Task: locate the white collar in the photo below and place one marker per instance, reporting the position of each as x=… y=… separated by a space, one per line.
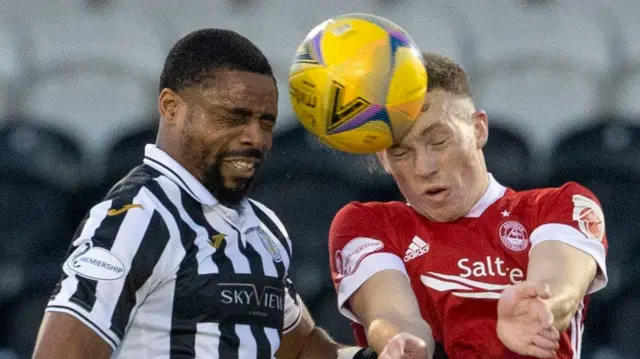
x=493 y=193
x=165 y=164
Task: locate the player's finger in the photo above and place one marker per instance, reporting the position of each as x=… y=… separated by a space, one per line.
x=532 y=289
x=545 y=343
x=550 y=333
x=543 y=290
x=394 y=348
x=544 y=314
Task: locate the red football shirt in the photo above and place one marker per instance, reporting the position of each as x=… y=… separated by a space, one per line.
x=457 y=270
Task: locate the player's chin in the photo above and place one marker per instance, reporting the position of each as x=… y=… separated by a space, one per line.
x=443 y=212
x=239 y=185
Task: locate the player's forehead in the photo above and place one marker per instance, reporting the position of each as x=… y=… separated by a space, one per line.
x=238 y=89
x=437 y=115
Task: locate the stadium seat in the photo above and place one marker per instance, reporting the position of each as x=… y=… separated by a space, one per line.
x=128 y=151
x=90 y=100
x=507 y=155
x=41 y=151
x=77 y=30
x=540 y=29
x=35 y=228
x=13 y=48
x=622 y=20
x=435 y=27
x=622 y=317
x=541 y=99
x=604 y=158
x=627 y=92
x=295 y=146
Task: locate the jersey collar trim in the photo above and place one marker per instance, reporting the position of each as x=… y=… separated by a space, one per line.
x=165 y=164
x=493 y=193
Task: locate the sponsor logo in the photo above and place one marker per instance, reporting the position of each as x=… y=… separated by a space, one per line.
x=353 y=253
x=489 y=267
x=95 y=263
x=417 y=248
x=514 y=236
x=468 y=283
x=247 y=294
x=270 y=245
x=126 y=207
x=589 y=217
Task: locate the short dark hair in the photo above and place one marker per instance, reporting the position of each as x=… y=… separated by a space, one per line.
x=445 y=74
x=194 y=57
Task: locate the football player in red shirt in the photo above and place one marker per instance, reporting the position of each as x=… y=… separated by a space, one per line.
x=482 y=270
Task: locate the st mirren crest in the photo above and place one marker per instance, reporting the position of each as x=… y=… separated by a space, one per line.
x=270 y=245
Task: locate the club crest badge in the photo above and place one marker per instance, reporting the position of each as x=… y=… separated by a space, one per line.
x=514 y=236
x=270 y=245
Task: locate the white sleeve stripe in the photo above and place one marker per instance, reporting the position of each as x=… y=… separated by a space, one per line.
x=295 y=323
x=113 y=342
x=369 y=266
x=573 y=237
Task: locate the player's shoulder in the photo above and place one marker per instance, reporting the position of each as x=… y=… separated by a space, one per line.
x=134 y=191
x=265 y=213
x=373 y=209
x=548 y=195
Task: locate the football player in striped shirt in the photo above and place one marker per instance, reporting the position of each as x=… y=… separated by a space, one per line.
x=176 y=262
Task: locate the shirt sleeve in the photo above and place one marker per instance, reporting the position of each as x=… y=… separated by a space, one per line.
x=111 y=264
x=573 y=215
x=359 y=247
x=292 y=306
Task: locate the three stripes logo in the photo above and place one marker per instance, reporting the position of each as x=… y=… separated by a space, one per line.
x=462 y=287
x=417 y=248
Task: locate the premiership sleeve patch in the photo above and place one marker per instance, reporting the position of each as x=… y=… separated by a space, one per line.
x=589 y=216
x=349 y=258
x=95 y=263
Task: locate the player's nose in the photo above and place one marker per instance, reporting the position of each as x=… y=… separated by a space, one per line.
x=425 y=164
x=252 y=135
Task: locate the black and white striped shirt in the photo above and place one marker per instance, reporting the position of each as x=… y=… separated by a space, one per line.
x=160 y=269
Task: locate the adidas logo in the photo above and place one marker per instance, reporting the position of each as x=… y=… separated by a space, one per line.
x=417 y=248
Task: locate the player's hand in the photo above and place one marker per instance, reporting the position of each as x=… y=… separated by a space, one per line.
x=525 y=322
x=404 y=346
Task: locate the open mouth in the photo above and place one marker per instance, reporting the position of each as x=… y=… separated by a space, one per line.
x=241 y=167
x=437 y=193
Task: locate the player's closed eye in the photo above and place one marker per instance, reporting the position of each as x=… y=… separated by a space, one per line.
x=399 y=153
x=267 y=125
x=440 y=142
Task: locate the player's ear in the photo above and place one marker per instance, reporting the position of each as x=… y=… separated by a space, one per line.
x=382 y=158
x=481 y=128
x=169 y=104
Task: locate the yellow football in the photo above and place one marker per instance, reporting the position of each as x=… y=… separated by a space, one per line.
x=358 y=83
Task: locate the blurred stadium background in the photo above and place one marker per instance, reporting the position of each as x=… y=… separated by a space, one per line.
x=560 y=81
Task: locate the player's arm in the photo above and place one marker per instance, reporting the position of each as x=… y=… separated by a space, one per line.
x=109 y=265
x=307 y=341
x=568 y=252
x=371 y=280
x=386 y=315
x=567 y=271
x=63 y=336
x=302 y=339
